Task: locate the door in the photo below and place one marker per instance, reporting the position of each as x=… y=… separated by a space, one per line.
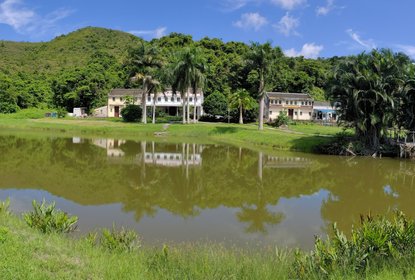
x=291 y=113
x=116 y=111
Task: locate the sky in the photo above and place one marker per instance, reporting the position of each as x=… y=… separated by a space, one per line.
x=311 y=28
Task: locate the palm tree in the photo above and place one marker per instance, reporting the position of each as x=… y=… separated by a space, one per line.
x=241 y=100
x=367 y=91
x=144 y=61
x=260 y=58
x=188 y=73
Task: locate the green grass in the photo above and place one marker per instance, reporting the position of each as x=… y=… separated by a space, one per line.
x=28 y=254
x=241 y=135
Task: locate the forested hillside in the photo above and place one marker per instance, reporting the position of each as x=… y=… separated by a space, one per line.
x=80 y=68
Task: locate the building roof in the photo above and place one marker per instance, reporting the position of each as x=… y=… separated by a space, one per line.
x=121 y=92
x=322 y=104
x=125 y=92
x=290 y=95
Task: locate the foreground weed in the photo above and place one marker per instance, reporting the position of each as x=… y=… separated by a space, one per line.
x=121 y=240
x=375 y=241
x=3 y=234
x=47 y=219
x=4 y=206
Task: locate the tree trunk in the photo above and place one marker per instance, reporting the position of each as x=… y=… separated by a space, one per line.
x=194 y=107
x=188 y=107
x=144 y=106
x=241 y=117
x=183 y=109
x=261 y=113
x=261 y=101
x=154 y=109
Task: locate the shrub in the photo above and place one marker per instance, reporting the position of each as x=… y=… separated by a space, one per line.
x=47 y=219
x=3 y=234
x=4 y=206
x=119 y=240
x=282 y=119
x=61 y=113
x=376 y=241
x=131 y=113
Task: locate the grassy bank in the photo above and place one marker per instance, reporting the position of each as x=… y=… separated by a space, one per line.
x=380 y=249
x=298 y=139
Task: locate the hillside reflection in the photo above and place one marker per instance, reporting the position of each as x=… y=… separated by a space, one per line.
x=187 y=180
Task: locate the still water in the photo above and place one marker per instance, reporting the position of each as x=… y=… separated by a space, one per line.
x=176 y=192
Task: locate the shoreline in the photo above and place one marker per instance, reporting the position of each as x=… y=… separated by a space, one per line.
x=220 y=133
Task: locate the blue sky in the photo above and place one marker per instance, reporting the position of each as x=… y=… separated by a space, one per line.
x=300 y=27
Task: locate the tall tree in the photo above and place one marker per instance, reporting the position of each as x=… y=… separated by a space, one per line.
x=367 y=91
x=188 y=73
x=143 y=62
x=242 y=101
x=260 y=58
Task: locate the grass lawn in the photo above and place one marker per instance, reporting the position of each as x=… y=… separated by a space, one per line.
x=297 y=138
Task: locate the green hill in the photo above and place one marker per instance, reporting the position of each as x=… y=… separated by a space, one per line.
x=66 y=51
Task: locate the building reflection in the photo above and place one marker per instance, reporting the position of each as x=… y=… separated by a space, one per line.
x=150 y=153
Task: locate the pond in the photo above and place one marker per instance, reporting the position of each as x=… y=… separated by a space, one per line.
x=187 y=192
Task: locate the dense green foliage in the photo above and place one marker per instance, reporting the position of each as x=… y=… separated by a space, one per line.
x=373 y=93
x=79 y=69
x=46 y=218
x=376 y=242
x=131 y=113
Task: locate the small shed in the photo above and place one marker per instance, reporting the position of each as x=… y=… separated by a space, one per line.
x=79 y=112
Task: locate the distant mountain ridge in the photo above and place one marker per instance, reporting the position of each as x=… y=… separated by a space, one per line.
x=65 y=51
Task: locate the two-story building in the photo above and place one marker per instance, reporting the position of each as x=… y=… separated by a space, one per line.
x=170 y=103
x=298 y=106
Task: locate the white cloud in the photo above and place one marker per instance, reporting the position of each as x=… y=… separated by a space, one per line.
x=309 y=50
x=324 y=10
x=233 y=5
x=12 y=13
x=407 y=49
x=289 y=4
x=251 y=21
x=25 y=20
x=156 y=33
x=287 y=25
x=367 y=44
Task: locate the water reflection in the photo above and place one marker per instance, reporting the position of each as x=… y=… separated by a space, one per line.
x=187 y=191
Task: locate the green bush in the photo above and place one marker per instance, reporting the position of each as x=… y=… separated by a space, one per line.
x=61 y=112
x=119 y=240
x=376 y=241
x=3 y=234
x=169 y=119
x=282 y=119
x=47 y=219
x=4 y=206
x=32 y=113
x=131 y=113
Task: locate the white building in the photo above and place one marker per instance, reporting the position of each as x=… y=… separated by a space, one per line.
x=298 y=106
x=171 y=103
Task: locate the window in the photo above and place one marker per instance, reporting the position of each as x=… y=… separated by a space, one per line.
x=291 y=103
x=121 y=99
x=172 y=99
x=113 y=99
x=270 y=112
x=286 y=102
x=295 y=102
x=149 y=98
x=111 y=109
x=178 y=99
x=301 y=113
x=296 y=113
x=159 y=99
x=191 y=99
